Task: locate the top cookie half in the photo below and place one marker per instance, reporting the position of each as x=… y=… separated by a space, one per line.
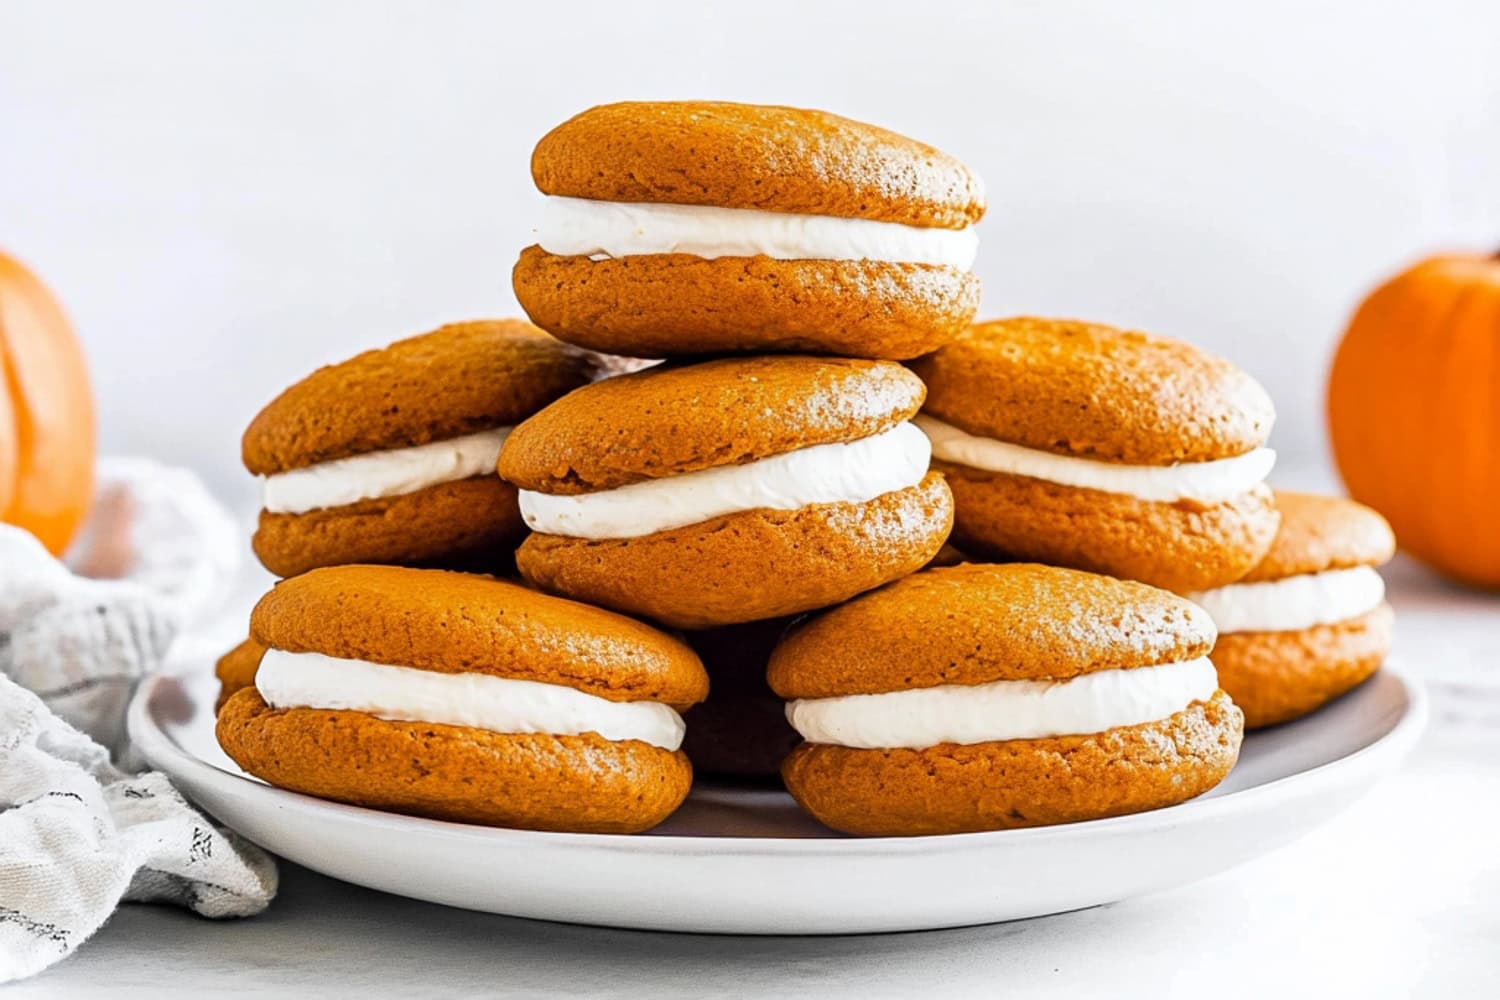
x=768 y=158
x=978 y=623
x=1093 y=391
x=455 y=380
x=1320 y=533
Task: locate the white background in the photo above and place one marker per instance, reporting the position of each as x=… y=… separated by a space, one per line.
x=227 y=195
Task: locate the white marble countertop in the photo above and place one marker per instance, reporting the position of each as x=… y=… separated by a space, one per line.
x=1398 y=896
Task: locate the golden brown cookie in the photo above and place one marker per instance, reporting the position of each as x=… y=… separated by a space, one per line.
x=1095 y=391
x=955 y=788
x=841 y=297
x=696 y=552
x=1310 y=622
x=343 y=485
x=460 y=378
x=752 y=564
x=466 y=698
x=1107 y=450
x=456 y=623
x=527 y=781
x=1280 y=676
x=659 y=305
x=465 y=523
x=976 y=623
x=1177 y=546
x=236 y=669
x=983 y=697
x=740 y=731
x=668 y=420
x=1320 y=533
x=753 y=156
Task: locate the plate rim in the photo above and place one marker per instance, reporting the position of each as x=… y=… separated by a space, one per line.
x=154 y=744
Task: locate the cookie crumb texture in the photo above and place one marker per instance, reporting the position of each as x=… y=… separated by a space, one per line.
x=236 y=669
x=976 y=623
x=581 y=784
x=954 y=788
x=773 y=158
x=1181 y=546
x=459 y=623
x=750 y=565
x=456 y=523
x=659 y=305
x=1280 y=676
x=674 y=419
x=1321 y=533
x=1093 y=391
x=456 y=380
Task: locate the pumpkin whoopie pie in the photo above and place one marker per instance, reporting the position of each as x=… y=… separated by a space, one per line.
x=1081 y=445
x=740 y=731
x=1309 y=622
x=730 y=490
x=466 y=698
x=236 y=670
x=389 y=457
x=688 y=227
x=981 y=697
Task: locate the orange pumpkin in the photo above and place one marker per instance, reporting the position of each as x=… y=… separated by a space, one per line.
x=46 y=413
x=1414 y=412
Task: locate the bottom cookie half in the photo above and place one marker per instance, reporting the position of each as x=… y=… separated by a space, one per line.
x=953 y=788
x=581 y=784
x=655 y=305
x=750 y=565
x=465 y=524
x=1280 y=676
x=1177 y=546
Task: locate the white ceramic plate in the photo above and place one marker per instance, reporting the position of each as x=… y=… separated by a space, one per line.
x=743 y=861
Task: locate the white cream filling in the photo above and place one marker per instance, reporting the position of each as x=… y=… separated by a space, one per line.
x=1294 y=602
x=1004 y=710
x=479 y=701
x=826 y=473
x=380 y=474
x=1206 y=482
x=579 y=227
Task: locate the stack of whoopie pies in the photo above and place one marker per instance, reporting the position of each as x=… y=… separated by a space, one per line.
x=725 y=465
x=727 y=495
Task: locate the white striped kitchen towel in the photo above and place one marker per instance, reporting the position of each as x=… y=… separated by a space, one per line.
x=77 y=832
